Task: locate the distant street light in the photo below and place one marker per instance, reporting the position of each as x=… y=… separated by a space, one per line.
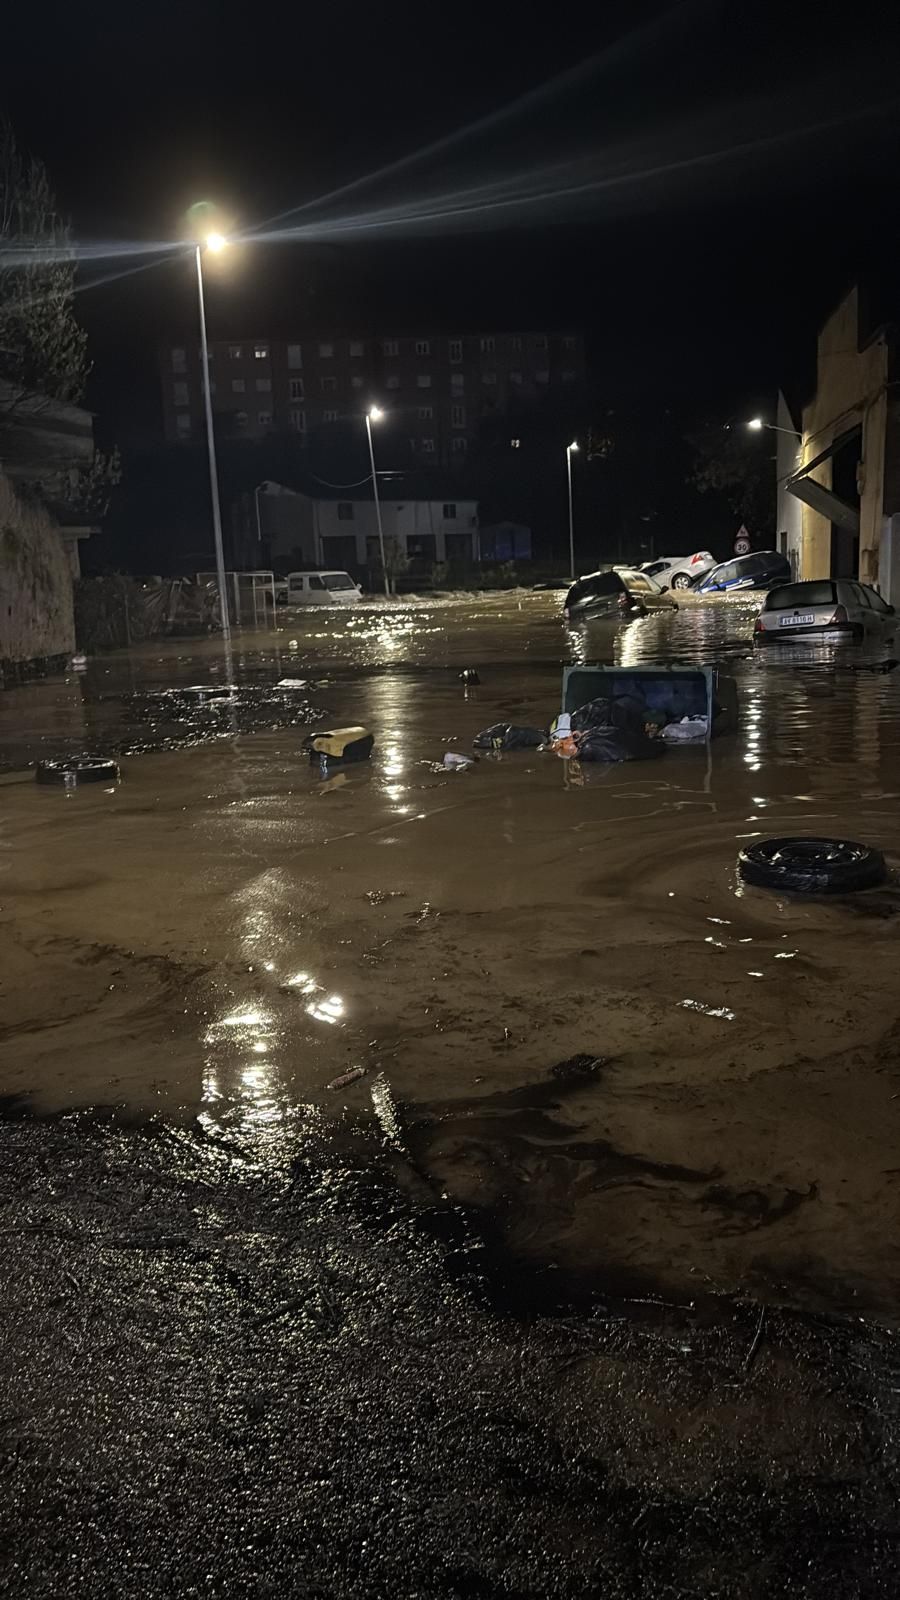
x=214 y=242
x=374 y=414
x=569 y=449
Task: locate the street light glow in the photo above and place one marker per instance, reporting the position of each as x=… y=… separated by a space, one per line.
x=216 y=242
x=574 y=445
x=756 y=423
x=376 y=413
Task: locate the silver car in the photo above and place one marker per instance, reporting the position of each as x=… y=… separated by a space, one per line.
x=832 y=609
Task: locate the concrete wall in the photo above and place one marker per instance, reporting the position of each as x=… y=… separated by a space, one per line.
x=788 y=510
x=850 y=389
x=36 y=606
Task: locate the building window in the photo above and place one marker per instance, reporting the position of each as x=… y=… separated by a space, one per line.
x=264 y=385
x=326 y=351
x=241 y=419
x=458 y=445
x=458 y=416
x=297 y=389
x=357 y=381
x=487 y=346
x=390 y=347
x=457 y=383
x=329 y=416
x=489 y=377
x=345 y=511
x=515 y=342
x=264 y=418
x=449 y=512
x=423 y=347
x=540 y=341
x=237 y=385
x=356 y=349
x=328 y=385
x=568 y=377
x=179 y=359
x=569 y=342
x=515 y=377
x=297 y=421
x=426 y=413
x=515 y=444
x=260 y=352
x=456 y=349
x=234 y=352
x=392 y=381
x=542 y=377
x=428 y=447
x=183 y=424
x=180 y=394
x=423 y=381
x=295 y=355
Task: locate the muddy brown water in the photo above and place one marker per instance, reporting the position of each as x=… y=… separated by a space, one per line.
x=224 y=933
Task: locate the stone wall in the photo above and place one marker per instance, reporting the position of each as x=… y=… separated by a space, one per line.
x=36 y=605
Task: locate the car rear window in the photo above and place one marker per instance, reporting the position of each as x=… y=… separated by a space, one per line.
x=602 y=583
x=794 y=596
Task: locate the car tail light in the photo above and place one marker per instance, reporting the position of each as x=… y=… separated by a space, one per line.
x=759 y=626
x=840 y=615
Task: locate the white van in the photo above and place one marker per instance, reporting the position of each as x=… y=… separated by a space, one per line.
x=317 y=589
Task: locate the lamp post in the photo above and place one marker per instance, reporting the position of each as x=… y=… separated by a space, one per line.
x=214 y=242
x=374 y=414
x=756 y=424
x=569 y=449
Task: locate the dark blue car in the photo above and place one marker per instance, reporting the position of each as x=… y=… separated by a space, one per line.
x=758 y=571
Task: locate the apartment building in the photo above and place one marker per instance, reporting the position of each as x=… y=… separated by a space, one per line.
x=436 y=389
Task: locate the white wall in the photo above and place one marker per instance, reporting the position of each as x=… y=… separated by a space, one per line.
x=403 y=520
x=788 y=509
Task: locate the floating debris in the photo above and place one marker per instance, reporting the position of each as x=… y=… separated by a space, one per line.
x=352 y=1075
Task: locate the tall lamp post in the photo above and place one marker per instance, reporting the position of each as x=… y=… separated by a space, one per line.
x=374 y=414
x=569 y=449
x=214 y=242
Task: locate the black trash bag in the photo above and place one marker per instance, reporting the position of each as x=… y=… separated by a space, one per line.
x=628 y=711
x=600 y=743
x=506 y=736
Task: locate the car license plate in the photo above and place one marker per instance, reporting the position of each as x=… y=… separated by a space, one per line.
x=796 y=621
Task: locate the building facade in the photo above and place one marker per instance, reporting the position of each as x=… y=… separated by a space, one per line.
x=298 y=530
x=846 y=470
x=437 y=389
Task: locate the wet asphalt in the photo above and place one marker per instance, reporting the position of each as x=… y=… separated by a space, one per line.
x=577 y=1290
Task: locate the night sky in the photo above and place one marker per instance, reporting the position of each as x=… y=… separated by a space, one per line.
x=749 y=157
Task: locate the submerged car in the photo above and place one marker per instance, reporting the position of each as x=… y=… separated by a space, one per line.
x=761 y=570
x=824 y=608
x=610 y=594
x=679 y=572
x=325 y=588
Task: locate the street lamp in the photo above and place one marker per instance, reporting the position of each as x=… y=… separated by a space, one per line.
x=214 y=242
x=756 y=424
x=374 y=414
x=569 y=449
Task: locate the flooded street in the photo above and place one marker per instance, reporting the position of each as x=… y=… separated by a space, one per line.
x=604 y=1081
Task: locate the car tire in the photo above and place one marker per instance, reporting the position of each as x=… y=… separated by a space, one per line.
x=812 y=866
x=77 y=769
x=680 y=581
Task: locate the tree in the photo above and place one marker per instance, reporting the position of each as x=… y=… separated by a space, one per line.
x=42 y=348
x=726 y=464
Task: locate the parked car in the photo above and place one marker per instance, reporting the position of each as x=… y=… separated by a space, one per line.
x=611 y=594
x=679 y=572
x=317 y=589
x=824 y=608
x=761 y=570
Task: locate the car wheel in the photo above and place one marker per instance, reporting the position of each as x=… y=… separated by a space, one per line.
x=812 y=866
x=77 y=769
x=681 y=581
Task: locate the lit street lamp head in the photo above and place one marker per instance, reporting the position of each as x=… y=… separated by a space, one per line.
x=573 y=445
x=756 y=423
x=216 y=242
x=375 y=413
